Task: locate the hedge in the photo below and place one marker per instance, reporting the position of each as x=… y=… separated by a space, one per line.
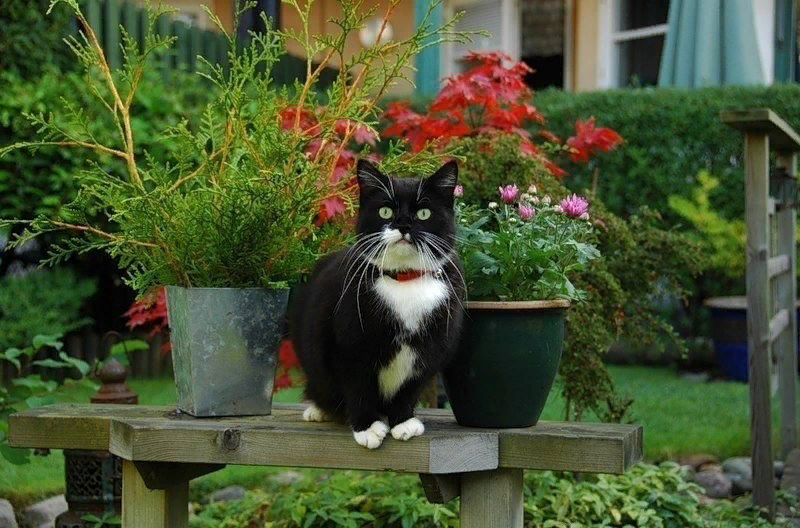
x=670 y=134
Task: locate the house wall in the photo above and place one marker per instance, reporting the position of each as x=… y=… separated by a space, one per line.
x=402 y=21
x=585 y=43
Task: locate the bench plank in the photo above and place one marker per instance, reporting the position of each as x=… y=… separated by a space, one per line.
x=158 y=433
x=782 y=136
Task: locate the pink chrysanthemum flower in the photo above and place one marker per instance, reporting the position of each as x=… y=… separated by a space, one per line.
x=574 y=206
x=509 y=193
x=526 y=211
x=458 y=191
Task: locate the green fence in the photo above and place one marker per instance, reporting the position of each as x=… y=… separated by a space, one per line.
x=107 y=17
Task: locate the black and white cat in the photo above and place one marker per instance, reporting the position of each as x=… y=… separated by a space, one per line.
x=376 y=321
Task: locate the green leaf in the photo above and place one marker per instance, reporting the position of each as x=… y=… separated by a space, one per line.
x=50 y=363
x=82 y=366
x=48 y=341
x=15 y=455
x=129 y=345
x=40 y=401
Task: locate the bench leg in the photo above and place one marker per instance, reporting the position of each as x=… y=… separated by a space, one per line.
x=491 y=498
x=146 y=508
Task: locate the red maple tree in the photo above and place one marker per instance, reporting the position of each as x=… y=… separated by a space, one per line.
x=150 y=311
x=491 y=98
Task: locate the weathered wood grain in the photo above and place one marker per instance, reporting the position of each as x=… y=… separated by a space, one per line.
x=158 y=433
x=787 y=296
x=492 y=498
x=778 y=265
x=764 y=121
x=146 y=508
x=165 y=475
x=759 y=312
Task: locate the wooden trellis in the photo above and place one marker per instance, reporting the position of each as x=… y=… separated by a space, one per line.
x=770 y=200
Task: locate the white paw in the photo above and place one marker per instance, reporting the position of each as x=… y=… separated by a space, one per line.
x=408 y=429
x=314 y=414
x=372 y=438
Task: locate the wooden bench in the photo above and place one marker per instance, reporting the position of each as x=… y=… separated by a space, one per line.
x=163 y=449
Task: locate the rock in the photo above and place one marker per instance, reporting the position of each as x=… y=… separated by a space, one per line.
x=697 y=377
x=698 y=460
x=716 y=468
x=286 y=478
x=740 y=484
x=7 y=519
x=739 y=466
x=231 y=493
x=704 y=500
x=778 y=465
x=716 y=485
x=44 y=513
x=791 y=472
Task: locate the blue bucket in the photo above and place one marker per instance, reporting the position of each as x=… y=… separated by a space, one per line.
x=729 y=332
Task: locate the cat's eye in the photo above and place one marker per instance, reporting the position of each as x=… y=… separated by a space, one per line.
x=385 y=212
x=424 y=214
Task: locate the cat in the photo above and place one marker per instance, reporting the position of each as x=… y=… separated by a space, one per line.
x=378 y=320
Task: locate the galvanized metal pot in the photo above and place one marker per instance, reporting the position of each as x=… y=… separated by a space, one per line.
x=224 y=348
x=506 y=362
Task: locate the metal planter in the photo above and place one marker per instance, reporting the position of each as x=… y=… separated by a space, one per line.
x=224 y=348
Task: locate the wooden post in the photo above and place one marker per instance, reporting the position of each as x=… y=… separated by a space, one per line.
x=492 y=498
x=787 y=294
x=756 y=146
x=146 y=508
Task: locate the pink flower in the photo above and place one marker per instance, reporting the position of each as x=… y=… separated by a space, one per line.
x=509 y=193
x=458 y=191
x=526 y=212
x=574 y=206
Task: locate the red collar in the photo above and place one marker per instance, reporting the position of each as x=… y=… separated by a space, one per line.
x=405 y=275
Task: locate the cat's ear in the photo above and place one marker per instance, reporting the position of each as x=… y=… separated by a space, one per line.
x=444 y=180
x=370 y=178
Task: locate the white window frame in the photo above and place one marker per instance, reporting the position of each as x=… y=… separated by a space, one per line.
x=511 y=40
x=610 y=37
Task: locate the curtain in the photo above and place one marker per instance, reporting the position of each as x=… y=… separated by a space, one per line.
x=710 y=42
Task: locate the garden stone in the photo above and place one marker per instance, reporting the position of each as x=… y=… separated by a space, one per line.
x=741 y=484
x=778 y=468
x=699 y=377
x=7 y=519
x=716 y=468
x=287 y=478
x=739 y=466
x=231 y=493
x=716 y=485
x=44 y=513
x=791 y=472
x=695 y=461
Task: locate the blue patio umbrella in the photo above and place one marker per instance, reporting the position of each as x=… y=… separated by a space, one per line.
x=710 y=42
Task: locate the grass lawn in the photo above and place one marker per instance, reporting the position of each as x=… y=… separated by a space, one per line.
x=679 y=417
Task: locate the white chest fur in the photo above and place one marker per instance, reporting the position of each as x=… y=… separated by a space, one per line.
x=412 y=301
x=395 y=374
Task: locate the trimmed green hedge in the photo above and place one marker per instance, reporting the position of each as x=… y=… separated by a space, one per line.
x=671 y=134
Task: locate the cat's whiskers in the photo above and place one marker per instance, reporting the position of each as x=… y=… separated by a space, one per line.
x=446 y=250
x=360 y=260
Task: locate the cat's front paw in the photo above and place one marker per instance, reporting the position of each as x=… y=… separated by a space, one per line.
x=372 y=438
x=408 y=429
x=314 y=414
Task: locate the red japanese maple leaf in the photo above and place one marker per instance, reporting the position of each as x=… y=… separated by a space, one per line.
x=589 y=139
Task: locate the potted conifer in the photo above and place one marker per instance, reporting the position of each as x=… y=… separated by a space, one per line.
x=248 y=203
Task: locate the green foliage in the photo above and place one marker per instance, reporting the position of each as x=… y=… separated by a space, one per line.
x=511 y=258
x=30 y=391
x=725 y=238
x=32 y=40
x=640 y=259
x=345 y=498
x=648 y=496
x=670 y=136
x=41 y=184
x=45 y=301
x=238 y=204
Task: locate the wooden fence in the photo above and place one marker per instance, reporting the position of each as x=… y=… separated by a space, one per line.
x=107 y=17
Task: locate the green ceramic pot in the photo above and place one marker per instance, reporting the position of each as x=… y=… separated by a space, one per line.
x=506 y=362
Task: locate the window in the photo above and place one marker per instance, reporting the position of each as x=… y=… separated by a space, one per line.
x=634 y=34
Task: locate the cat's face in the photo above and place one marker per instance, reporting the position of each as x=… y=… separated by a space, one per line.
x=406 y=224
